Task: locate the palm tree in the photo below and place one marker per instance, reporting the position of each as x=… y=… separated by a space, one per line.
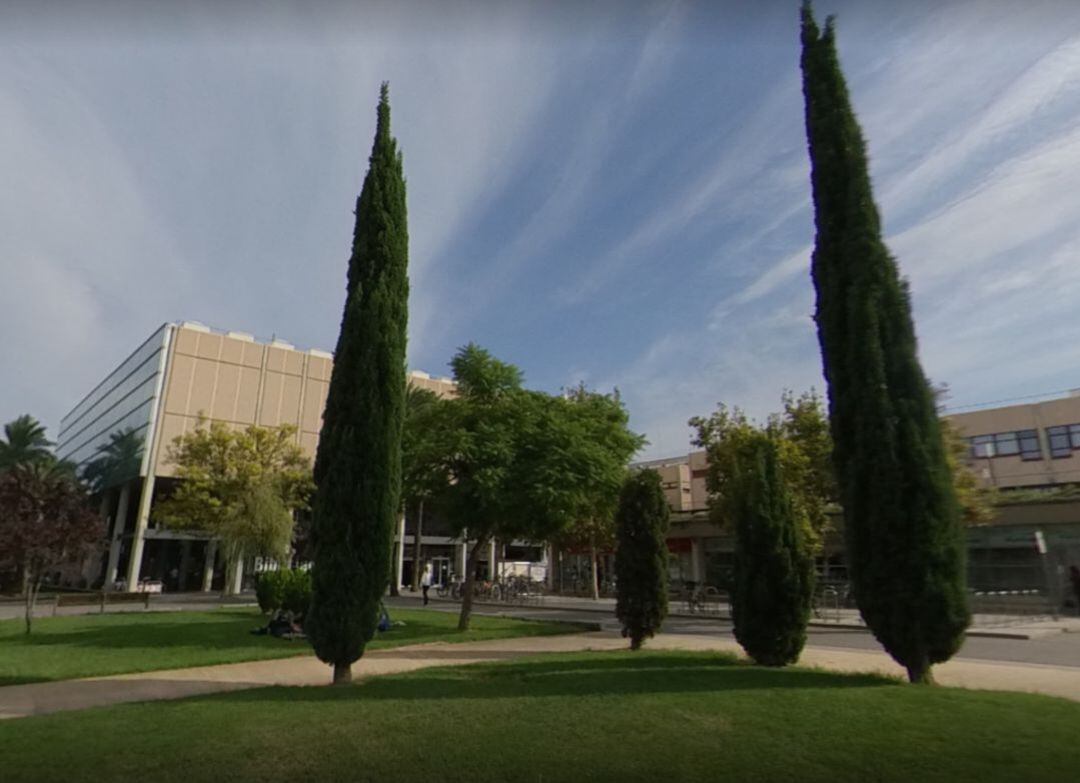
x=24 y=443
x=116 y=461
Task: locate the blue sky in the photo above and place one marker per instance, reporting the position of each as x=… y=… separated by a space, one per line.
x=615 y=193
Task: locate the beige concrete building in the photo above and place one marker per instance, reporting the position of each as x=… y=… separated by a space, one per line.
x=182 y=373
x=1024 y=446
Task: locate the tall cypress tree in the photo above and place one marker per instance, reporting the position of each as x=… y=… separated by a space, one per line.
x=902 y=523
x=774 y=574
x=358 y=464
x=641 y=559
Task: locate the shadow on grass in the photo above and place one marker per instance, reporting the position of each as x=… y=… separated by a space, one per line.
x=601 y=673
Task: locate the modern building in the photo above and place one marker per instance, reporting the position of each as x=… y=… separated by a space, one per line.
x=1030 y=452
x=182 y=373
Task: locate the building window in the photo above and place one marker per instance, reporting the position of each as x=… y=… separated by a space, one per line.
x=1064 y=440
x=1024 y=443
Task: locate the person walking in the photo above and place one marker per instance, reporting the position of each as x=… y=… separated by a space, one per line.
x=425 y=582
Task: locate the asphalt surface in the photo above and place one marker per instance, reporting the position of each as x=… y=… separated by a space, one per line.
x=1061 y=649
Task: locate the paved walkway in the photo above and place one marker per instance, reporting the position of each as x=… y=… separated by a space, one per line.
x=17 y=701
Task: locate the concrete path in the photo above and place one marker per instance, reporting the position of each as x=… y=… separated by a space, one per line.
x=18 y=701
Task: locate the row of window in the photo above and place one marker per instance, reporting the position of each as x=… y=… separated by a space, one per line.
x=1063 y=441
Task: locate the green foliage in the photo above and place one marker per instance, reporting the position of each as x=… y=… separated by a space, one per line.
x=976 y=501
x=296 y=595
x=358 y=465
x=45 y=522
x=602 y=424
x=902 y=521
x=773 y=568
x=24 y=443
x=641 y=558
x=520 y=462
x=804 y=449
x=241 y=487
x=423 y=450
x=270 y=590
x=287 y=589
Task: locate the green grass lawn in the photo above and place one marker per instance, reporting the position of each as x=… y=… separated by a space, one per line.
x=62 y=648
x=591 y=716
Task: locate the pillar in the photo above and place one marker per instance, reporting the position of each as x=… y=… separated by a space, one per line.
x=238 y=577
x=459 y=560
x=116 y=537
x=697 y=572
x=399 y=552
x=491 y=560
x=208 y=565
x=139 y=536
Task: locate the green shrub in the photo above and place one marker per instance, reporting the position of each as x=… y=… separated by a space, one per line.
x=270 y=590
x=296 y=594
x=774 y=573
x=641 y=560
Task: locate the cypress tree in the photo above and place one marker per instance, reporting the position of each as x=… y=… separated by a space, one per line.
x=773 y=570
x=641 y=523
x=358 y=464
x=902 y=523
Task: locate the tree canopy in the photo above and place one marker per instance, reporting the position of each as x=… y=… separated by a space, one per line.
x=240 y=487
x=45 y=522
x=804 y=451
x=520 y=462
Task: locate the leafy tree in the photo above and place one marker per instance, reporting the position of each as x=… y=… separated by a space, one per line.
x=116 y=462
x=515 y=458
x=641 y=558
x=902 y=521
x=774 y=571
x=358 y=464
x=241 y=487
x=976 y=501
x=24 y=443
x=45 y=522
x=423 y=460
x=804 y=449
x=603 y=432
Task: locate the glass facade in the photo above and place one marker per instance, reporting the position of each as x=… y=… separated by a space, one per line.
x=123 y=401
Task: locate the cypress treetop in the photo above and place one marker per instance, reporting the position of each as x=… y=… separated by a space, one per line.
x=902 y=524
x=358 y=463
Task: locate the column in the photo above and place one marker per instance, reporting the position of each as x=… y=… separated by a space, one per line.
x=138 y=538
x=116 y=536
x=459 y=560
x=697 y=573
x=399 y=554
x=208 y=565
x=238 y=577
x=491 y=560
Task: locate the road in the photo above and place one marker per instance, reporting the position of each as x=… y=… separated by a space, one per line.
x=1061 y=649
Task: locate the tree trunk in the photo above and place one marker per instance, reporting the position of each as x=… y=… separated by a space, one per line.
x=342 y=673
x=230 y=575
x=919 y=672
x=395 y=575
x=418 y=535
x=470 y=581
x=33 y=587
x=595 y=575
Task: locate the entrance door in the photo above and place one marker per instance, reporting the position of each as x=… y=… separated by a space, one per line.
x=440 y=570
